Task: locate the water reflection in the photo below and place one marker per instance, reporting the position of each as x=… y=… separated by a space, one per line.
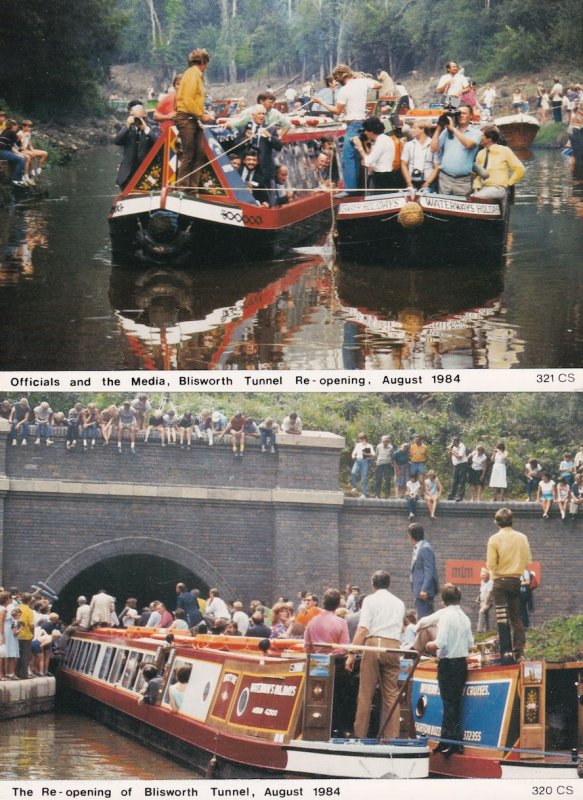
x=69 y=746
x=305 y=311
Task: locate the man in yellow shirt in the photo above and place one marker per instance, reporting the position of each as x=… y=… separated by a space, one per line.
x=503 y=167
x=25 y=634
x=190 y=115
x=418 y=455
x=508 y=555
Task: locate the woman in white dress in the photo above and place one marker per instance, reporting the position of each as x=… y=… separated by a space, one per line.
x=498 y=477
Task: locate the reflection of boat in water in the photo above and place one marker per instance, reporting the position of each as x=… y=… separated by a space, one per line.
x=222 y=221
x=519 y=721
x=425 y=228
x=179 y=318
x=519 y=130
x=248 y=710
x=422 y=317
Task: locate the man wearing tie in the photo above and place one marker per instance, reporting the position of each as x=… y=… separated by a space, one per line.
x=424 y=580
x=253 y=176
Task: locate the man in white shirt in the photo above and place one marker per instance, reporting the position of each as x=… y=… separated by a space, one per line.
x=454 y=638
x=351 y=102
x=556 y=98
x=379 y=626
x=459 y=459
x=452 y=83
x=83 y=615
x=216 y=608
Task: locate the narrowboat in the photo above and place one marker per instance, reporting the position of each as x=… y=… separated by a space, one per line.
x=520 y=720
x=403 y=227
x=252 y=708
x=157 y=220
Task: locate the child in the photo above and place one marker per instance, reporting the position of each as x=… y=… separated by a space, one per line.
x=433 y=490
x=409 y=630
x=546 y=493
x=563 y=496
x=413 y=487
x=35 y=157
x=485 y=601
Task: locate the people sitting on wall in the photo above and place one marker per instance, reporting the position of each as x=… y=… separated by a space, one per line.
x=136 y=137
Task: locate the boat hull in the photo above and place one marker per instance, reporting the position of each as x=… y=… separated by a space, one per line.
x=497 y=725
x=244 y=709
x=454 y=232
x=519 y=130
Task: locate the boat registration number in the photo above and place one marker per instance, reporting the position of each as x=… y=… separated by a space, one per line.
x=381 y=204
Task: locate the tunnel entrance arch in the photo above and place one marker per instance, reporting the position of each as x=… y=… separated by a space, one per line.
x=140 y=567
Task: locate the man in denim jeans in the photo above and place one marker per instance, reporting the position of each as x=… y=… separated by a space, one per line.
x=20 y=418
x=351 y=102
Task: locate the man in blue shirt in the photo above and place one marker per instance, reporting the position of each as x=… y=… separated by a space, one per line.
x=454 y=638
x=456 y=144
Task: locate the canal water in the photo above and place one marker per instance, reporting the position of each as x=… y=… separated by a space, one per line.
x=67 y=746
x=65 y=306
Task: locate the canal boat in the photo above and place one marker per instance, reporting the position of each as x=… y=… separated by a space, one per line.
x=404 y=227
x=519 y=720
x=156 y=219
x=252 y=708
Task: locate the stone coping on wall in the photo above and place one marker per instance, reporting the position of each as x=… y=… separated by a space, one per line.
x=155 y=491
x=483 y=508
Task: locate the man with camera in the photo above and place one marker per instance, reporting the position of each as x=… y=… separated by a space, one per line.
x=456 y=142
x=452 y=83
x=136 y=137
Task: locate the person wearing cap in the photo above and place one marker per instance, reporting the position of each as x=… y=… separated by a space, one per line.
x=136 y=137
x=126 y=421
x=240 y=618
x=190 y=114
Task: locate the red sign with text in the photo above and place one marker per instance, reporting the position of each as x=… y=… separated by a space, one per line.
x=468 y=572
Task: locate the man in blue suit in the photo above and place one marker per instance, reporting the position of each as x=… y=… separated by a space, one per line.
x=424 y=580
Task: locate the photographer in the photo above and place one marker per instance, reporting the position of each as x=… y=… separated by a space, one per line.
x=379 y=158
x=136 y=137
x=456 y=142
x=418 y=163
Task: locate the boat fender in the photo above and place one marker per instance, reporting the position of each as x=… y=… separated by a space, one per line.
x=211 y=768
x=411 y=215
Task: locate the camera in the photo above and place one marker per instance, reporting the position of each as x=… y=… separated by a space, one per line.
x=138 y=122
x=417 y=178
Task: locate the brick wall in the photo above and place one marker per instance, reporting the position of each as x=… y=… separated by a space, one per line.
x=256 y=528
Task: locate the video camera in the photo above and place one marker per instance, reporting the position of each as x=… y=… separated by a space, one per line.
x=450 y=112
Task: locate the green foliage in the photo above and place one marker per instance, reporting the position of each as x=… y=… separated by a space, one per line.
x=54 y=55
x=558 y=640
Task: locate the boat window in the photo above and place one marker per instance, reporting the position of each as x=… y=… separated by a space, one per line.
x=299 y=158
x=80 y=656
x=118 y=665
x=139 y=683
x=93 y=653
x=71 y=652
x=105 y=663
x=83 y=657
x=129 y=674
x=177 y=664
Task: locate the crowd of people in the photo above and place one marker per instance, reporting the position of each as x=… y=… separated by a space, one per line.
x=32 y=634
x=16 y=149
x=86 y=426
x=408 y=466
